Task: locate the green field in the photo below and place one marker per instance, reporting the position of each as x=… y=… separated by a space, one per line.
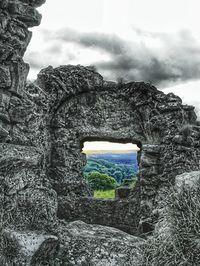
x=104 y=194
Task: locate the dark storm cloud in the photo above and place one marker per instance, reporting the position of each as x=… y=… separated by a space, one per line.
x=176 y=57
x=51 y=54
x=109 y=43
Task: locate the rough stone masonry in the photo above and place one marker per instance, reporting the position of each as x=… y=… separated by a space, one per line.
x=43 y=126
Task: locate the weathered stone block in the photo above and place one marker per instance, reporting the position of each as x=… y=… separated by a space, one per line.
x=28 y=247
x=4 y=3
x=4 y=100
x=84 y=244
x=171 y=106
x=13 y=155
x=3 y=132
x=19 y=36
x=17 y=114
x=19 y=71
x=25 y=13
x=147 y=160
x=152 y=148
x=32 y=208
x=122 y=214
x=173 y=98
x=5 y=77
x=148 y=172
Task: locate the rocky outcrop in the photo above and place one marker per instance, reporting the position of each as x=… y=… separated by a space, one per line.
x=84 y=244
x=25 y=193
x=26 y=200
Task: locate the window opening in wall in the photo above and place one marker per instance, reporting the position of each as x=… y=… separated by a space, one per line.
x=110 y=167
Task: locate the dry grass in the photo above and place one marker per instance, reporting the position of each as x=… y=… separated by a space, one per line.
x=176 y=240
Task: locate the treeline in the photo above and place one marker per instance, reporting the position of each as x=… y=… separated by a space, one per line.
x=99 y=181
x=118 y=171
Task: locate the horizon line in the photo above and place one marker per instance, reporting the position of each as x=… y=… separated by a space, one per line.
x=109 y=151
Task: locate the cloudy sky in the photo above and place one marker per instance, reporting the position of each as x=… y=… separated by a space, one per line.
x=137 y=40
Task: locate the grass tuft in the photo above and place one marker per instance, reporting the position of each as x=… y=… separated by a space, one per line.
x=104 y=194
x=176 y=240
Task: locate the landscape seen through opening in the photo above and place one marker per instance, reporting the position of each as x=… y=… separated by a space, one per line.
x=110 y=165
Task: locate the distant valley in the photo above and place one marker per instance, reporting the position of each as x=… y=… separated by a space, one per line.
x=118 y=164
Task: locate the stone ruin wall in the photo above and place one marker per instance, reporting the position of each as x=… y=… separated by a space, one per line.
x=43 y=126
x=27 y=203
x=89 y=108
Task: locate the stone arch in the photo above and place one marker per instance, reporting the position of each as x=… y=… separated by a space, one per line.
x=99 y=114
x=82 y=105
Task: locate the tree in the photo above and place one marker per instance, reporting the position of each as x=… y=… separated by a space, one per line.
x=129 y=182
x=118 y=176
x=100 y=181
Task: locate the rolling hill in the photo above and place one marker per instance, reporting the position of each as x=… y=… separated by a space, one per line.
x=118 y=165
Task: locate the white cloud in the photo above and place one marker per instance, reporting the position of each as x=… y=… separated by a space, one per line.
x=108 y=146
